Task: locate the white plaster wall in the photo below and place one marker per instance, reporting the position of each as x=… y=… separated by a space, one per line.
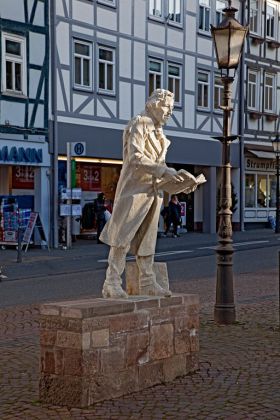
x=139 y=58
x=191 y=6
x=190 y=73
x=200 y=120
x=77 y=100
x=60 y=101
x=156 y=50
x=216 y=127
x=82 y=11
x=101 y=111
x=156 y=32
x=178 y=115
x=88 y=109
x=175 y=38
x=67 y=85
x=62 y=43
x=82 y=30
x=252 y=124
x=205 y=46
x=12 y=9
x=36 y=48
x=271 y=53
x=189 y=111
x=112 y=104
x=39 y=14
x=140 y=18
x=139 y=98
x=125 y=58
x=125 y=13
x=33 y=83
x=39 y=118
x=107 y=37
x=14 y=112
x=174 y=54
x=268 y=125
x=125 y=100
x=198 y=205
x=106 y=19
x=190 y=33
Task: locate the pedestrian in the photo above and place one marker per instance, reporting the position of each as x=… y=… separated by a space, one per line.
x=99 y=211
x=166 y=219
x=174 y=214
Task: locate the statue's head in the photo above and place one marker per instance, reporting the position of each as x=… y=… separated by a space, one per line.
x=160 y=105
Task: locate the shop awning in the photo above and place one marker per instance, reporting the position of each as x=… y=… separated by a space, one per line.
x=262 y=154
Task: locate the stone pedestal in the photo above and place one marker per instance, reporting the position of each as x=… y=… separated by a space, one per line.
x=98 y=349
x=132 y=276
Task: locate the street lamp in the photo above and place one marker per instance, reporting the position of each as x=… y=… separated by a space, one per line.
x=229 y=37
x=276 y=148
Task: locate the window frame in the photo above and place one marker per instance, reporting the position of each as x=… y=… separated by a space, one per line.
x=220 y=87
x=203 y=7
x=203 y=107
x=110 y=3
x=272 y=90
x=153 y=16
x=14 y=59
x=172 y=21
x=113 y=63
x=219 y=12
x=90 y=59
x=257 y=90
x=258 y=15
x=274 y=21
x=161 y=62
x=179 y=66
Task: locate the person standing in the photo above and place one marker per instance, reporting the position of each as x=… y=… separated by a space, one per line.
x=99 y=211
x=174 y=214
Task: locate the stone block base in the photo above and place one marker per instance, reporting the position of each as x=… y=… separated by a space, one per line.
x=132 y=276
x=98 y=349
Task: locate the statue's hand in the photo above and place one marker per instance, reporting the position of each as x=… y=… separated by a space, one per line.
x=171 y=174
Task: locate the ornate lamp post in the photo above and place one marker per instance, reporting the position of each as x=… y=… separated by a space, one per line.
x=276 y=148
x=229 y=37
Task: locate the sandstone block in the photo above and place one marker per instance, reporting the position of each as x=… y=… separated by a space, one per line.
x=129 y=322
x=100 y=338
x=182 y=342
x=151 y=374
x=47 y=338
x=111 y=360
x=73 y=362
x=132 y=276
x=137 y=348
x=161 y=342
x=69 y=340
x=174 y=367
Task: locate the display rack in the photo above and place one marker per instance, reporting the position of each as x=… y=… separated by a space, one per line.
x=12 y=218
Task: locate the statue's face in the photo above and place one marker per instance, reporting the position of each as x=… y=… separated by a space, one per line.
x=163 y=110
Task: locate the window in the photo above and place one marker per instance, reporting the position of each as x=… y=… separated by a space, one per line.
x=174 y=81
x=204 y=15
x=83 y=64
x=174 y=11
x=14 y=64
x=254 y=16
x=262 y=191
x=203 y=89
x=252 y=93
x=250 y=190
x=220 y=5
x=269 y=102
x=155 y=8
x=106 y=70
x=272 y=180
x=270 y=20
x=155 y=75
x=218 y=92
x=108 y=2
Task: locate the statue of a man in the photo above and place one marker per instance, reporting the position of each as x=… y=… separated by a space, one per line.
x=134 y=222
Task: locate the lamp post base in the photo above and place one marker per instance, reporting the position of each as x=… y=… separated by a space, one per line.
x=224 y=314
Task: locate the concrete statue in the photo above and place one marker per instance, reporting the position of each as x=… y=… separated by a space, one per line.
x=134 y=223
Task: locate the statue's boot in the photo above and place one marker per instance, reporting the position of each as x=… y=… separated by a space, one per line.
x=116 y=263
x=147 y=278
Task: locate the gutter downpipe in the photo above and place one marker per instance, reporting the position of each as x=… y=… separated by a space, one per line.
x=54 y=124
x=241 y=122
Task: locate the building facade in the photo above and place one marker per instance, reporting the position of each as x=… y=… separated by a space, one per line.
x=109 y=55
x=24 y=69
x=261 y=103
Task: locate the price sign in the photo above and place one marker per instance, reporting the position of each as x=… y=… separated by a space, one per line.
x=23 y=177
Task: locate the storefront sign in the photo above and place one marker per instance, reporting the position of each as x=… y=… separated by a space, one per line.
x=260 y=164
x=89 y=178
x=23 y=177
x=21 y=154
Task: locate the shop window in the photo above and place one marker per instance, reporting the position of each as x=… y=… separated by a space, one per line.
x=14 y=64
x=270 y=20
x=204 y=15
x=250 y=190
x=218 y=92
x=252 y=95
x=83 y=64
x=155 y=75
x=272 y=190
x=106 y=70
x=262 y=191
x=174 y=11
x=269 y=92
x=203 y=90
x=220 y=5
x=155 y=8
x=174 y=81
x=254 y=16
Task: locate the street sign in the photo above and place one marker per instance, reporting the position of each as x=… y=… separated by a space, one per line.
x=78 y=148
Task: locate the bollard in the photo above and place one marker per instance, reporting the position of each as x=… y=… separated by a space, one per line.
x=279 y=287
x=19 y=250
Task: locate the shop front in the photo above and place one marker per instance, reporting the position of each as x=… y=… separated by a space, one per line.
x=260 y=188
x=24 y=186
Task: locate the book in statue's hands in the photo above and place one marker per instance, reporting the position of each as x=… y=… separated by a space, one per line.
x=188 y=185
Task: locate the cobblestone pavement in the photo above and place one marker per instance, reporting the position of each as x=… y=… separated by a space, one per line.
x=239 y=365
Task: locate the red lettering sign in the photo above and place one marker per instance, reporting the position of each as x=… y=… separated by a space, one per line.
x=88 y=177
x=23 y=177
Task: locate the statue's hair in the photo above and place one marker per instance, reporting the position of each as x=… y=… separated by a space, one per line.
x=158 y=95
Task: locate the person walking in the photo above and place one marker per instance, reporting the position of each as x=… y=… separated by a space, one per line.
x=99 y=211
x=174 y=215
